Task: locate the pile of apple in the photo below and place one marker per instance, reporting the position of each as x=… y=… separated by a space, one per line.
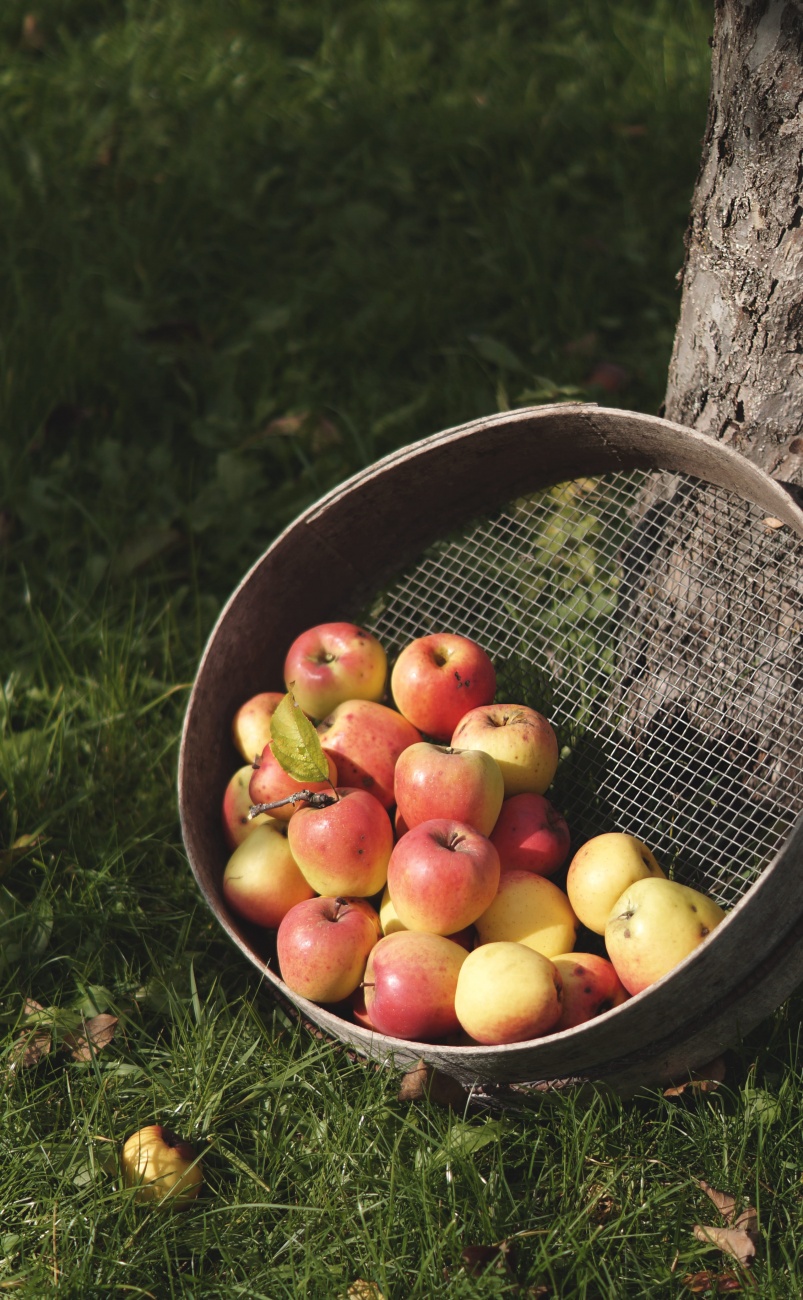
x=403 y=854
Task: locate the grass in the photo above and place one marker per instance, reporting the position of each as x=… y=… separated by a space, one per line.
x=246 y=250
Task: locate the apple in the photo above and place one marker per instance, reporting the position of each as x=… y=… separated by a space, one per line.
x=507 y=993
x=590 y=987
x=409 y=985
x=345 y=847
x=521 y=740
x=236 y=806
x=464 y=785
x=334 y=662
x=269 y=781
x=323 y=944
x=653 y=925
x=389 y=920
x=262 y=879
x=530 y=835
x=365 y=740
x=529 y=909
x=250 y=728
x=161 y=1166
x=601 y=870
x=438 y=678
x=442 y=875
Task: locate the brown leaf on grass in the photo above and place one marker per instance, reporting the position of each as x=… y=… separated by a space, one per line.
x=476 y=1259
x=709 y=1283
x=725 y=1203
x=706 y=1079
x=425 y=1081
x=98 y=1032
x=740 y=1236
x=29 y=1048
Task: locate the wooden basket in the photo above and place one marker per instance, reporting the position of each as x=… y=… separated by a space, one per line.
x=452 y=515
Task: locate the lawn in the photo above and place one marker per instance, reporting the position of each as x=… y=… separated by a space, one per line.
x=247 y=249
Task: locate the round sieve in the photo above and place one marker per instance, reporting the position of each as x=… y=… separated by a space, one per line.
x=638 y=584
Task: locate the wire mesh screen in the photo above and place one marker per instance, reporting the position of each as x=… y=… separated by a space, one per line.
x=658 y=623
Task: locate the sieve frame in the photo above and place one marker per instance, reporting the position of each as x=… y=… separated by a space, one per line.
x=328 y=564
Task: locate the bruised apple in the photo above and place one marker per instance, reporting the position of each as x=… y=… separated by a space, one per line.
x=653 y=926
x=162 y=1166
x=334 y=662
x=409 y=985
x=436 y=781
x=442 y=875
x=343 y=848
x=590 y=987
x=507 y=993
x=439 y=677
x=521 y=740
x=323 y=944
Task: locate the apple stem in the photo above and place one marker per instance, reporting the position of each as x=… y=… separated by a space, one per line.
x=313 y=798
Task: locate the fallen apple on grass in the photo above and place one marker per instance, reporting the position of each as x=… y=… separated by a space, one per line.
x=161 y=1166
x=334 y=662
x=439 y=677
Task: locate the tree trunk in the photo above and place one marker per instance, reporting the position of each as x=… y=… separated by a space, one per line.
x=737 y=366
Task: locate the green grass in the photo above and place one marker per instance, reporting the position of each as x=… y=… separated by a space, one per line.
x=379 y=219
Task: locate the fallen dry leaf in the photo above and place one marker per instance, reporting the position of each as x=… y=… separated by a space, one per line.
x=98 y=1032
x=709 y=1283
x=725 y=1203
x=29 y=1048
x=733 y=1241
x=706 y=1079
x=425 y=1081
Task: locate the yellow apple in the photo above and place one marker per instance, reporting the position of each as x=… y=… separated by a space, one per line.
x=161 y=1166
x=532 y=910
x=521 y=740
x=653 y=926
x=599 y=872
x=507 y=993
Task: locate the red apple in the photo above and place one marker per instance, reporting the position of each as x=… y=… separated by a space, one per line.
x=262 y=879
x=530 y=835
x=269 y=781
x=250 y=728
x=464 y=785
x=323 y=944
x=236 y=807
x=442 y=875
x=520 y=739
x=438 y=678
x=365 y=739
x=590 y=987
x=334 y=662
x=343 y=848
x=409 y=985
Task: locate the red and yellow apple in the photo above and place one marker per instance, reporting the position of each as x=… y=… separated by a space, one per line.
x=590 y=987
x=365 y=740
x=334 y=662
x=507 y=993
x=653 y=925
x=521 y=740
x=532 y=910
x=269 y=782
x=237 y=803
x=409 y=985
x=442 y=875
x=531 y=835
x=323 y=944
x=601 y=870
x=439 y=677
x=464 y=785
x=262 y=879
x=250 y=728
x=345 y=847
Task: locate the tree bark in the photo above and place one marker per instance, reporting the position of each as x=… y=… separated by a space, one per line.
x=737 y=367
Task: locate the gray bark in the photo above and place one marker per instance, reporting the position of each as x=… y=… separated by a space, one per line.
x=737 y=366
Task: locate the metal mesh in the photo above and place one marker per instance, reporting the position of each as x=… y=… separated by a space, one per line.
x=658 y=623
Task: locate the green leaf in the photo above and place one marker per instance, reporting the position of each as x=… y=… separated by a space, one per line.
x=296 y=744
